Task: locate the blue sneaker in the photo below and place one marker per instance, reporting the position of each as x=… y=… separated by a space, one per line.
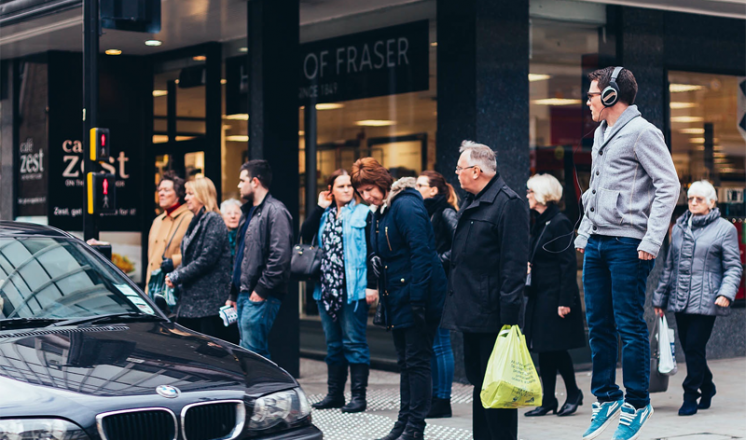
x=631 y=421
x=603 y=414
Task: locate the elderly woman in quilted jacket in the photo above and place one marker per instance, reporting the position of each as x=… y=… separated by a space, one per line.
x=699 y=282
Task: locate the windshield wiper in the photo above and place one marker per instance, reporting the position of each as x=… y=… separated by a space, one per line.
x=128 y=316
x=16 y=323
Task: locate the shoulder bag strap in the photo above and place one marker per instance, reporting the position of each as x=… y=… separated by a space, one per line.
x=172 y=238
x=538 y=240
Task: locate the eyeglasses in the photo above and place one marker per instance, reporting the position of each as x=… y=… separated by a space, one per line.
x=699 y=200
x=592 y=94
x=459 y=169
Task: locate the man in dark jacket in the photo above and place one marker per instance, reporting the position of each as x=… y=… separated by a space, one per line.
x=262 y=264
x=488 y=273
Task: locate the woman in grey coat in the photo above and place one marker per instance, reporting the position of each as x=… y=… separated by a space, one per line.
x=206 y=262
x=699 y=282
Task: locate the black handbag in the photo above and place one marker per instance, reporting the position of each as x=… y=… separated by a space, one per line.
x=305 y=264
x=381 y=318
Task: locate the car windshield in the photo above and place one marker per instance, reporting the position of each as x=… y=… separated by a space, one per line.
x=61 y=278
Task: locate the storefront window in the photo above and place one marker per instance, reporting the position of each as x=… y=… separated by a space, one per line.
x=560 y=130
x=398 y=129
x=706 y=142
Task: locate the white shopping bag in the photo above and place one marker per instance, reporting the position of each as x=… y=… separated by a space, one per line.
x=667 y=349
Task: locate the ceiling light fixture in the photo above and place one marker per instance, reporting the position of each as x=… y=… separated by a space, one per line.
x=687 y=119
x=557 y=101
x=113 y=52
x=157 y=93
x=301 y=133
x=153 y=43
x=678 y=88
x=537 y=77
x=434 y=44
x=680 y=105
x=329 y=106
x=237 y=138
x=701 y=140
x=238 y=117
x=199 y=58
x=692 y=131
x=375 y=123
x=243 y=49
x=223 y=81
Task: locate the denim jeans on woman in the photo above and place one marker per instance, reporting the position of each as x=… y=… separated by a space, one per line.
x=346 y=342
x=442 y=364
x=614 y=280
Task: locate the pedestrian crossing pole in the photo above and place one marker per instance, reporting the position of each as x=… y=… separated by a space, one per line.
x=91 y=33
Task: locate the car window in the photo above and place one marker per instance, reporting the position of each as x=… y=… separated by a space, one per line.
x=45 y=277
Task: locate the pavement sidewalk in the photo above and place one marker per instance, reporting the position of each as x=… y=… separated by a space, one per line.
x=725 y=420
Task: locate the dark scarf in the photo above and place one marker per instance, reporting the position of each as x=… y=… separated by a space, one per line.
x=436 y=204
x=173 y=208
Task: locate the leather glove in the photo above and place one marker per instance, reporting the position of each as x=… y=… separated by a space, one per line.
x=167 y=265
x=377 y=265
x=418 y=313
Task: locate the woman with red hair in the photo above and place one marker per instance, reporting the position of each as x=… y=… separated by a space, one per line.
x=413 y=283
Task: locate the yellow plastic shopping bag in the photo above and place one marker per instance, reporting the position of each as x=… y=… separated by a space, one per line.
x=511 y=380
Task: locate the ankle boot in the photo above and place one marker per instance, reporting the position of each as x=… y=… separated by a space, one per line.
x=335 y=398
x=396 y=431
x=543 y=410
x=412 y=433
x=706 y=400
x=358 y=384
x=439 y=408
x=571 y=404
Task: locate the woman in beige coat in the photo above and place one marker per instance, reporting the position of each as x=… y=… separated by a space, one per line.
x=168 y=229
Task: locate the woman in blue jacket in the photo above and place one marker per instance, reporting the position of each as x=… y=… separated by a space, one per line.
x=413 y=283
x=339 y=225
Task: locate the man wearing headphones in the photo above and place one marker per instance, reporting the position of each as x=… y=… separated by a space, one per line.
x=628 y=207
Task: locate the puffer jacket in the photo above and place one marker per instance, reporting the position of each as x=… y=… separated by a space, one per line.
x=402 y=236
x=702 y=263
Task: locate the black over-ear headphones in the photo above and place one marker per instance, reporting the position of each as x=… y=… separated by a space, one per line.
x=610 y=94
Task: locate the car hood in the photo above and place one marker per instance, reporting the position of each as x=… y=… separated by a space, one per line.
x=56 y=367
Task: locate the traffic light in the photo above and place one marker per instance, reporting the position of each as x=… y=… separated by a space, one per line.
x=102 y=194
x=99 y=145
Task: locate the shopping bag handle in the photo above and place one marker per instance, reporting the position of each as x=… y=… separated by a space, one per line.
x=505 y=330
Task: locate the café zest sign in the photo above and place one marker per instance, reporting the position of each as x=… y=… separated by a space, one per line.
x=381 y=62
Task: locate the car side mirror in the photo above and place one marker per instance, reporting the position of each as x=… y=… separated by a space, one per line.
x=162 y=305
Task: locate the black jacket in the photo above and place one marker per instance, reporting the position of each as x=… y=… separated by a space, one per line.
x=205 y=268
x=268 y=245
x=554 y=271
x=402 y=237
x=488 y=260
x=444 y=219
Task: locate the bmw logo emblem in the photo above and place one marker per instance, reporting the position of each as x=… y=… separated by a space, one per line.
x=168 y=391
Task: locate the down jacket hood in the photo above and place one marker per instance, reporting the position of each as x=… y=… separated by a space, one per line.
x=397 y=188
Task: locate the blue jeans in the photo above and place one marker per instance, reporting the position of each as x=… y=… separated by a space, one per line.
x=346 y=342
x=614 y=280
x=442 y=364
x=255 y=320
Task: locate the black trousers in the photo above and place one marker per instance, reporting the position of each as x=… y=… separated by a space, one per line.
x=414 y=348
x=551 y=362
x=212 y=326
x=694 y=332
x=488 y=424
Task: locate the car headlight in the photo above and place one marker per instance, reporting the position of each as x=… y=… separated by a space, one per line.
x=33 y=429
x=289 y=407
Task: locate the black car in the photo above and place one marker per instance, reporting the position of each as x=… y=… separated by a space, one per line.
x=84 y=354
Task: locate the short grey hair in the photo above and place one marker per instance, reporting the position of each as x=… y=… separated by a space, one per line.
x=703 y=188
x=229 y=202
x=480 y=155
x=546 y=188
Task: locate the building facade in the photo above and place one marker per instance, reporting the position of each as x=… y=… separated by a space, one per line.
x=316 y=85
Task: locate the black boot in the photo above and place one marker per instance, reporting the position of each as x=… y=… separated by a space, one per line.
x=396 y=431
x=358 y=384
x=571 y=404
x=335 y=398
x=412 y=433
x=543 y=410
x=439 y=408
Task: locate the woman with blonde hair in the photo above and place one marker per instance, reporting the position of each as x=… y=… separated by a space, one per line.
x=699 y=282
x=554 y=318
x=205 y=268
x=441 y=202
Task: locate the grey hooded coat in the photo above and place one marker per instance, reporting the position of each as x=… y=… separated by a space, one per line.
x=702 y=263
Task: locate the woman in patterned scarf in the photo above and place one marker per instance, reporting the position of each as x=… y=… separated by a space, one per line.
x=340 y=226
